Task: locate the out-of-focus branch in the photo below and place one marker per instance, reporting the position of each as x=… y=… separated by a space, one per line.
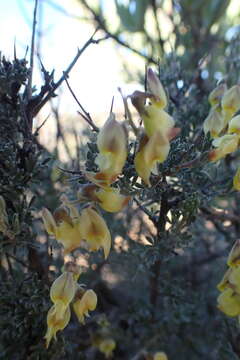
x=101 y=24
x=46 y=96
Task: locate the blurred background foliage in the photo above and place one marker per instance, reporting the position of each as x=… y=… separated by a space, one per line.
x=157 y=290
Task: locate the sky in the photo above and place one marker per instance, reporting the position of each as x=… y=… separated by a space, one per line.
x=96 y=75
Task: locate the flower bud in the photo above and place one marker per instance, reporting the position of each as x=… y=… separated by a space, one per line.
x=160 y=356
x=214 y=122
x=231 y=101
x=151 y=150
x=62 y=292
x=55 y=323
x=229 y=302
x=216 y=94
x=225 y=144
x=236 y=180
x=234 y=255
x=107 y=346
x=86 y=302
x=156 y=88
x=95 y=231
x=234 y=125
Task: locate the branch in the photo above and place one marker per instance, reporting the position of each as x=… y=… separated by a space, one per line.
x=100 y=22
x=29 y=86
x=50 y=93
x=86 y=116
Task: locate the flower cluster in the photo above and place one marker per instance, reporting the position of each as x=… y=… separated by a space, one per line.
x=65 y=291
x=154 y=142
x=221 y=123
x=229 y=299
x=73 y=229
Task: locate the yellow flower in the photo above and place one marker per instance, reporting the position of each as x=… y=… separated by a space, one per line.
x=85 y=301
x=229 y=302
x=214 y=122
x=151 y=151
x=160 y=356
x=156 y=119
x=234 y=255
x=107 y=346
x=64 y=227
x=156 y=88
x=231 y=101
x=225 y=144
x=236 y=180
x=62 y=292
x=234 y=279
x=55 y=323
x=107 y=197
x=112 y=146
x=95 y=231
x=224 y=283
x=234 y=125
x=111 y=200
x=216 y=94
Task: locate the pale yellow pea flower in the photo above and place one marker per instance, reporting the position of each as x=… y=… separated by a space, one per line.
x=160 y=356
x=107 y=346
x=234 y=255
x=224 y=145
x=229 y=302
x=62 y=292
x=231 y=101
x=64 y=226
x=152 y=150
x=156 y=88
x=112 y=146
x=216 y=94
x=214 y=122
x=236 y=180
x=109 y=198
x=54 y=323
x=95 y=231
x=84 y=302
x=234 y=125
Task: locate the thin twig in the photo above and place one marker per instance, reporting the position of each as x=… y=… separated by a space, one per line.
x=128 y=115
x=40 y=126
x=86 y=116
x=29 y=86
x=100 y=22
x=17 y=260
x=66 y=72
x=112 y=103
